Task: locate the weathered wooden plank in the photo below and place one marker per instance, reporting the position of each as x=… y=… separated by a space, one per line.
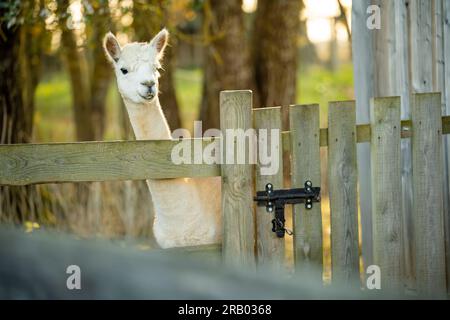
x=438 y=57
x=428 y=197
x=343 y=180
x=399 y=85
x=386 y=189
x=270 y=248
x=446 y=96
x=237 y=194
x=421 y=45
x=363 y=73
x=23 y=164
x=305 y=165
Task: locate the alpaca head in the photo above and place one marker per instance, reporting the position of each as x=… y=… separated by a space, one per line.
x=136 y=66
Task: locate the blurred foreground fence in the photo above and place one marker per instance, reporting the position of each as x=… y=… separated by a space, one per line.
x=132 y=160
x=33 y=266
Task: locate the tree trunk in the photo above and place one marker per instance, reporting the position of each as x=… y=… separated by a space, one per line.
x=34 y=39
x=227 y=58
x=13 y=116
x=101 y=70
x=149 y=18
x=275 y=51
x=17 y=204
x=78 y=76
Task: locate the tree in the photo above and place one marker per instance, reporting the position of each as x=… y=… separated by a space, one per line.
x=35 y=40
x=89 y=81
x=16 y=128
x=78 y=73
x=275 y=51
x=227 y=57
x=149 y=18
x=17 y=204
x=269 y=68
x=101 y=71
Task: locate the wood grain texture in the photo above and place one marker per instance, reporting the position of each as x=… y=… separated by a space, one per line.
x=343 y=180
x=363 y=56
x=305 y=165
x=392 y=79
x=446 y=97
x=270 y=248
x=421 y=38
x=23 y=164
x=438 y=19
x=386 y=191
x=237 y=194
x=428 y=197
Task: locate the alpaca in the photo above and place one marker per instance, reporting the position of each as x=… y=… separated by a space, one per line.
x=187 y=211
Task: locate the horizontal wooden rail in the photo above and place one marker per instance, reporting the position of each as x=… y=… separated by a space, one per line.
x=23 y=164
x=363 y=132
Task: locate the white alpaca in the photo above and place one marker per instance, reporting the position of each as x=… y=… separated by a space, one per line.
x=187 y=211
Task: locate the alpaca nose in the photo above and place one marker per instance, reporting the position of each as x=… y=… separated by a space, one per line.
x=149 y=84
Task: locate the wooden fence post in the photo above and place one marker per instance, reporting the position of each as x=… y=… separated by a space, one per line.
x=237 y=195
x=386 y=191
x=343 y=178
x=270 y=247
x=305 y=165
x=428 y=197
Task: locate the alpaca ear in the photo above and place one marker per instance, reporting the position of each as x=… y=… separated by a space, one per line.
x=112 y=47
x=159 y=42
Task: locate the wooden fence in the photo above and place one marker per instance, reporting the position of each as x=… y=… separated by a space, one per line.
x=243 y=242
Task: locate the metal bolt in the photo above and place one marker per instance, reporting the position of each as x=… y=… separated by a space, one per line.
x=308 y=203
x=269 y=188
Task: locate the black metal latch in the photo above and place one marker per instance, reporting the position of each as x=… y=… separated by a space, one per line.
x=275 y=200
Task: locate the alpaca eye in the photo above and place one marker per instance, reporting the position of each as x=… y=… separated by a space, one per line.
x=124 y=71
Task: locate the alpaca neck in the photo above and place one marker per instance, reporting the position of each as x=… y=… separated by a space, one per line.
x=183 y=216
x=148 y=120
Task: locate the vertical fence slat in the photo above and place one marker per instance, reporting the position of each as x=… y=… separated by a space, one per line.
x=237 y=196
x=386 y=191
x=343 y=175
x=305 y=165
x=446 y=95
x=364 y=63
x=270 y=247
x=428 y=197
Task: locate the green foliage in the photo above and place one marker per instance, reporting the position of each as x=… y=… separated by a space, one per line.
x=319 y=85
x=10 y=13
x=188 y=86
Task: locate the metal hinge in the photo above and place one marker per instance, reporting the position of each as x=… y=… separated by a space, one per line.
x=275 y=201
